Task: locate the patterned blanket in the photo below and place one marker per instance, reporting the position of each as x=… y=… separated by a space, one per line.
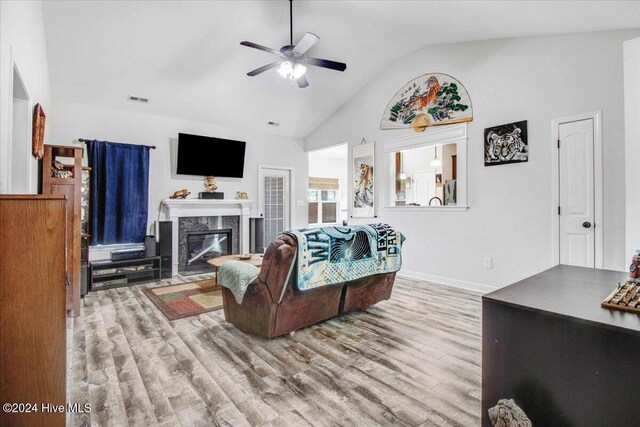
x=329 y=255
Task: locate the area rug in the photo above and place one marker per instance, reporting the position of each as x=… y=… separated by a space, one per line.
x=186 y=299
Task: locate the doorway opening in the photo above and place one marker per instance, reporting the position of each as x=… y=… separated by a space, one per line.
x=274 y=200
x=577 y=180
x=19 y=169
x=328 y=186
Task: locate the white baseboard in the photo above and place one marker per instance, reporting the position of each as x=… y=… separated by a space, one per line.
x=470 y=286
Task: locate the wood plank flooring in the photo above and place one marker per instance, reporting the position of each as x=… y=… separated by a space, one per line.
x=413 y=360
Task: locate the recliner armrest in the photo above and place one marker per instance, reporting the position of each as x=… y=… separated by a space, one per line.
x=277 y=264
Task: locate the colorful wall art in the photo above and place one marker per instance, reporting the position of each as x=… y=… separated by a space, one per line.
x=363 y=186
x=428 y=100
x=506 y=144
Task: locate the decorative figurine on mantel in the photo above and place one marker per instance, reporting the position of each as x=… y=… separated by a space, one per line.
x=241 y=195
x=180 y=194
x=210 y=186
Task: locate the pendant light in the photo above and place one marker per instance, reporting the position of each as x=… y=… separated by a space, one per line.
x=403 y=176
x=436 y=161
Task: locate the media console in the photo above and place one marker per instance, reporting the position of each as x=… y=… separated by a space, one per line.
x=114 y=274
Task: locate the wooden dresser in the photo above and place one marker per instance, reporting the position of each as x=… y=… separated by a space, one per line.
x=32 y=306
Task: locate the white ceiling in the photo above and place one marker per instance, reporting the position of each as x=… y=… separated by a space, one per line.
x=186 y=57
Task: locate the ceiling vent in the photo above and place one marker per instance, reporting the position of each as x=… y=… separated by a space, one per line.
x=138 y=99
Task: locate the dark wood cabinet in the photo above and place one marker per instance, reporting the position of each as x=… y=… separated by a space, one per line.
x=32 y=306
x=566 y=361
x=71 y=187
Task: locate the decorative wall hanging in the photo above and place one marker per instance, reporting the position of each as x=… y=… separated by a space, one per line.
x=37 y=139
x=506 y=144
x=428 y=100
x=363 y=180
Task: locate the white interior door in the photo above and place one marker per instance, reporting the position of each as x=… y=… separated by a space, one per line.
x=274 y=190
x=577 y=193
x=424 y=187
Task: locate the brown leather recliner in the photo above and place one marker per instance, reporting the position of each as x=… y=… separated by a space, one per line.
x=261 y=314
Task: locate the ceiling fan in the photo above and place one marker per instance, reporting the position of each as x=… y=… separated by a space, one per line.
x=292 y=62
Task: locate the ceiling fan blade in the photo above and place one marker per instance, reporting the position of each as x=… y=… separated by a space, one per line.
x=302 y=82
x=263 y=69
x=305 y=43
x=260 y=47
x=325 y=63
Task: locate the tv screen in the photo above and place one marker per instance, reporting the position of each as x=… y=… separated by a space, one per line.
x=206 y=156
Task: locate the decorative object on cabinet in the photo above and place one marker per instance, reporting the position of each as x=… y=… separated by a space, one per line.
x=180 y=194
x=506 y=144
x=625 y=297
x=507 y=414
x=428 y=100
x=33 y=307
x=58 y=170
x=71 y=187
x=37 y=139
x=363 y=178
x=210 y=183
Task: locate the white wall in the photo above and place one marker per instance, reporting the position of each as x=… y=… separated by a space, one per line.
x=535 y=79
x=632 y=144
x=73 y=121
x=22 y=42
x=323 y=167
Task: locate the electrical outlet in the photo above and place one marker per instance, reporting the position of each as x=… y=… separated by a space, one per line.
x=487 y=263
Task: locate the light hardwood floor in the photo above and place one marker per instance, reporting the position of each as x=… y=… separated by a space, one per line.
x=411 y=360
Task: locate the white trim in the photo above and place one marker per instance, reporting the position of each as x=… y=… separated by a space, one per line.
x=598 y=173
x=479 y=288
x=431 y=136
x=445 y=208
x=173 y=209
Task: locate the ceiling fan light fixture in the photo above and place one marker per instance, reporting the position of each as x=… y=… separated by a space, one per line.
x=285 y=69
x=298 y=71
x=291 y=71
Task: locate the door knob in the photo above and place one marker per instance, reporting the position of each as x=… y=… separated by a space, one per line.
x=586 y=224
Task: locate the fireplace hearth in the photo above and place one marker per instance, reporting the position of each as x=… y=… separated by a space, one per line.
x=205 y=245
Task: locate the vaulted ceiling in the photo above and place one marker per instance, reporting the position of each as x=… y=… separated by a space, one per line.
x=186 y=57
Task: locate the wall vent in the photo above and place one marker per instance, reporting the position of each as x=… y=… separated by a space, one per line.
x=138 y=99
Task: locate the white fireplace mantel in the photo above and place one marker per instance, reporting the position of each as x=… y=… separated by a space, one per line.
x=173 y=209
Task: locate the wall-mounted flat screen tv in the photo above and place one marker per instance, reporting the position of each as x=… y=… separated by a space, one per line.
x=206 y=156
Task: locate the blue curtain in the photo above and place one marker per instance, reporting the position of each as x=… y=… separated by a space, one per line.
x=119 y=192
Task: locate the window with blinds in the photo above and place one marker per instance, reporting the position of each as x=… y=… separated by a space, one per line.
x=324 y=198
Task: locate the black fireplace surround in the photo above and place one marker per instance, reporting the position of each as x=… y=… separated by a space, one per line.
x=205 y=245
x=203 y=238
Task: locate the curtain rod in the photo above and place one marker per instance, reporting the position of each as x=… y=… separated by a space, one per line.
x=153 y=147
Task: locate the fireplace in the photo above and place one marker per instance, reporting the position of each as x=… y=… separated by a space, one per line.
x=204 y=245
